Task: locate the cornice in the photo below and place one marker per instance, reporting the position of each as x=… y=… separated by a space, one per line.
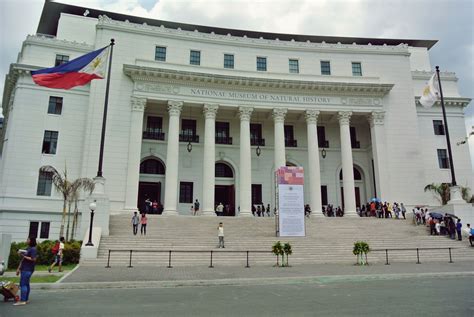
x=149 y=74
x=53 y=42
x=449 y=102
x=426 y=75
x=105 y=22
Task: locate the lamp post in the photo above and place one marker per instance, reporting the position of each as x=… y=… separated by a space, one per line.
x=92 y=207
x=323 y=153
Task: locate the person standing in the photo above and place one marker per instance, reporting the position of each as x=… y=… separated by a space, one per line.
x=220 y=234
x=220 y=209
x=196 y=206
x=26 y=268
x=471 y=234
x=143 y=222
x=154 y=206
x=58 y=257
x=135 y=222
x=459 y=229
x=268 y=210
x=147 y=205
x=403 y=210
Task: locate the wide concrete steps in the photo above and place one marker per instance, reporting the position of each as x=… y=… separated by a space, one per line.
x=327 y=240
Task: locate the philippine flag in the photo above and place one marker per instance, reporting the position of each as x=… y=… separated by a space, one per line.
x=77 y=72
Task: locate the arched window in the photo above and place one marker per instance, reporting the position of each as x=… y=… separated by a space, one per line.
x=290 y=164
x=152 y=166
x=357 y=175
x=223 y=170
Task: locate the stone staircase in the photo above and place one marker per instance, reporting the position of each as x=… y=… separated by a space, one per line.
x=328 y=240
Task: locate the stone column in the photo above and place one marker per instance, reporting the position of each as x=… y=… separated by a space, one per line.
x=377 y=133
x=314 y=171
x=279 y=123
x=134 y=153
x=208 y=170
x=172 y=158
x=245 y=178
x=347 y=164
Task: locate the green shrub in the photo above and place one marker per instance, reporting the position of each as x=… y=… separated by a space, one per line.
x=72 y=253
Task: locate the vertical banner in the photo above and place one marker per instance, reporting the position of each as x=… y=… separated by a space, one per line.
x=290 y=180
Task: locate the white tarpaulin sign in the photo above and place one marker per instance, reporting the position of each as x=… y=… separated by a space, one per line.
x=291 y=201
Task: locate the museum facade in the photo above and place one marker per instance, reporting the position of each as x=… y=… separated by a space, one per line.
x=197 y=112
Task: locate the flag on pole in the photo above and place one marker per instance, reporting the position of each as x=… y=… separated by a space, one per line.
x=77 y=72
x=430 y=93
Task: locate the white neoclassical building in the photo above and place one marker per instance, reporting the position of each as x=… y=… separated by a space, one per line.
x=198 y=112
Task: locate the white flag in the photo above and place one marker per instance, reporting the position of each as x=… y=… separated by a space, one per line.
x=430 y=93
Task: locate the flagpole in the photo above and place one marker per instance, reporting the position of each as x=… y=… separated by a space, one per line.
x=446 y=130
x=104 y=118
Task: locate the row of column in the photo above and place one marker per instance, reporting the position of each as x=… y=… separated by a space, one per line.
x=376 y=120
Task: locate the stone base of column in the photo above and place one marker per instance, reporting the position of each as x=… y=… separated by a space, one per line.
x=351 y=214
x=170 y=213
x=209 y=213
x=245 y=214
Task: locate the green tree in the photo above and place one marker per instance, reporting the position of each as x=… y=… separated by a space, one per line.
x=442 y=192
x=277 y=249
x=69 y=192
x=361 y=248
x=288 y=251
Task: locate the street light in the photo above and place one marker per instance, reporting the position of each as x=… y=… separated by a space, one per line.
x=92 y=207
x=323 y=153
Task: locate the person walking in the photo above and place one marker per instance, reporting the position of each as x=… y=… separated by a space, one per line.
x=26 y=268
x=268 y=210
x=58 y=251
x=471 y=234
x=459 y=229
x=143 y=222
x=220 y=234
x=196 y=206
x=220 y=210
x=403 y=210
x=135 y=222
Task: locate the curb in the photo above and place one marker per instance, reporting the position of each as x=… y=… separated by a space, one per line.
x=241 y=281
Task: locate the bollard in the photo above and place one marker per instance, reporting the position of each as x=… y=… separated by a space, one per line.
x=386 y=257
x=417 y=256
x=108 y=261
x=211 y=266
x=450 y=258
x=169 y=260
x=130 y=263
x=247 y=266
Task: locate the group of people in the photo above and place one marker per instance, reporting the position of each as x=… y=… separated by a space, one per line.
x=139 y=220
x=153 y=206
x=382 y=210
x=260 y=210
x=330 y=211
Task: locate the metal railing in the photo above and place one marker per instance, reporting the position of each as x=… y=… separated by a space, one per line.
x=170 y=253
x=223 y=139
x=183 y=137
x=323 y=144
x=154 y=135
x=413 y=249
x=291 y=143
x=257 y=141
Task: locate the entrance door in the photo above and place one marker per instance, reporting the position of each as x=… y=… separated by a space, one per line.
x=151 y=191
x=225 y=194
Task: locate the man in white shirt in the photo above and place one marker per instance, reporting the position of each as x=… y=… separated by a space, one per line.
x=220 y=209
x=220 y=234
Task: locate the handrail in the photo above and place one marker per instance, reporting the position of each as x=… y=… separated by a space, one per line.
x=414 y=249
x=170 y=252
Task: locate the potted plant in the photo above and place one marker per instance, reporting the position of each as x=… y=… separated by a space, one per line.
x=361 y=248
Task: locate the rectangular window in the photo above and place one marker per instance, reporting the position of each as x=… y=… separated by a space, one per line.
x=45 y=181
x=154 y=124
x=222 y=133
x=33 y=232
x=60 y=59
x=356 y=69
x=50 y=142
x=325 y=68
x=294 y=66
x=438 y=127
x=256 y=134
x=188 y=127
x=289 y=136
x=256 y=194
x=354 y=143
x=160 y=53
x=324 y=195
x=55 y=105
x=229 y=61
x=322 y=142
x=262 y=64
x=195 y=58
x=44 y=232
x=186 y=192
x=443 y=160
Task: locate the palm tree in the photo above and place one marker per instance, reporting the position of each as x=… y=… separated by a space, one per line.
x=77 y=185
x=67 y=189
x=443 y=194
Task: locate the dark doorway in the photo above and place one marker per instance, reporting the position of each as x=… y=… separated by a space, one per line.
x=225 y=194
x=151 y=191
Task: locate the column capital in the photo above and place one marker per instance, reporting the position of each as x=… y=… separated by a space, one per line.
x=279 y=114
x=344 y=117
x=245 y=113
x=376 y=118
x=210 y=110
x=138 y=104
x=312 y=116
x=174 y=107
